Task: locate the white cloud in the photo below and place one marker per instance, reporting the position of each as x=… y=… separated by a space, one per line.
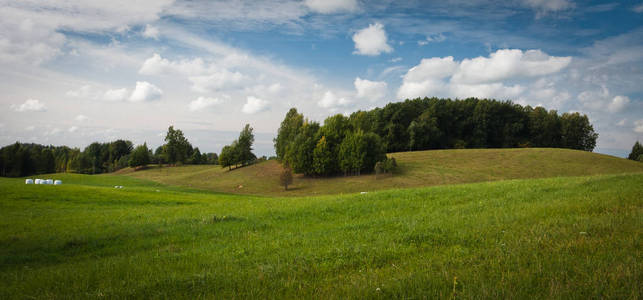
x=30 y=105
x=436 y=38
x=254 y=105
x=621 y=123
x=330 y=100
x=30 y=128
x=331 y=6
x=222 y=79
x=145 y=91
x=30 y=29
x=157 y=65
x=618 y=103
x=509 y=63
x=481 y=77
x=371 y=90
x=396 y=59
x=116 y=94
x=371 y=40
x=81 y=118
x=426 y=79
x=638 y=126
x=203 y=103
x=85 y=91
x=73 y=129
x=151 y=32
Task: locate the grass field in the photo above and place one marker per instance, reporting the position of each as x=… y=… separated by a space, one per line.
x=416 y=169
x=573 y=237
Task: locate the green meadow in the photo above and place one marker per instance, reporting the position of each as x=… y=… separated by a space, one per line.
x=560 y=237
x=415 y=169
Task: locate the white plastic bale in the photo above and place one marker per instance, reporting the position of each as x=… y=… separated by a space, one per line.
x=58 y=182
x=37 y=181
x=28 y=181
x=50 y=181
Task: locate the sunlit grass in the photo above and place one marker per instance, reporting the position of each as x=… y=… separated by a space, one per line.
x=416 y=169
x=576 y=237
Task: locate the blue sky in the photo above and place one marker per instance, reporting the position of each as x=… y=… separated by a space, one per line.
x=74 y=72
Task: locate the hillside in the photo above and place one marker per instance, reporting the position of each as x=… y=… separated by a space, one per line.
x=416 y=169
x=555 y=238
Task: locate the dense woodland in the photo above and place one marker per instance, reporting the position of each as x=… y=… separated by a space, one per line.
x=354 y=144
x=26 y=159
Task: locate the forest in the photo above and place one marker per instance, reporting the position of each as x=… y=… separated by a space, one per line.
x=354 y=144
x=21 y=159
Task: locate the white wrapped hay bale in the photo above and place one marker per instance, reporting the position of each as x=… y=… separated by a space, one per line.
x=50 y=181
x=28 y=181
x=58 y=182
x=38 y=181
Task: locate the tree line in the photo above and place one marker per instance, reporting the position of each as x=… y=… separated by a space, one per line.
x=354 y=144
x=22 y=159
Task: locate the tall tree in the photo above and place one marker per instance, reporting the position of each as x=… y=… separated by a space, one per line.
x=577 y=132
x=288 y=130
x=244 y=146
x=177 y=147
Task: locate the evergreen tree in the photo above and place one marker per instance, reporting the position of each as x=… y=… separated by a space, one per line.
x=637 y=151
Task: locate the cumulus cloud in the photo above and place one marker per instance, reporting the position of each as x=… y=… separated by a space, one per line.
x=145 y=91
x=73 y=129
x=509 y=63
x=482 y=77
x=151 y=32
x=254 y=105
x=426 y=78
x=330 y=100
x=202 y=103
x=371 y=40
x=331 y=6
x=157 y=65
x=618 y=103
x=30 y=105
x=371 y=90
x=638 y=126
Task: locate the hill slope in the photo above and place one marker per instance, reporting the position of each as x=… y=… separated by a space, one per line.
x=421 y=168
x=560 y=238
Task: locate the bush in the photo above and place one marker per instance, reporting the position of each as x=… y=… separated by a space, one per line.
x=386 y=166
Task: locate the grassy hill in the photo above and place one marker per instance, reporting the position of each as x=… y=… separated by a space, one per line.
x=416 y=169
x=573 y=237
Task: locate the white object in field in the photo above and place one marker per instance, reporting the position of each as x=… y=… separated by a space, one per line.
x=58 y=182
x=28 y=181
x=363 y=193
x=37 y=181
x=50 y=181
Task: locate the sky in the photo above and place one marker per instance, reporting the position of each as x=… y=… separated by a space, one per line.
x=74 y=71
